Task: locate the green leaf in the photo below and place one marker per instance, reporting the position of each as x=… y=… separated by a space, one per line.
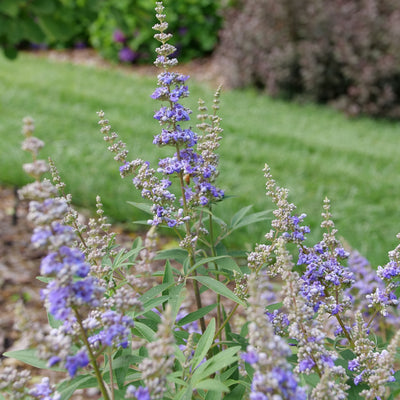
x=29 y=356
x=216 y=363
x=240 y=215
x=178 y=255
x=55 y=29
x=273 y=307
x=146 y=207
x=218 y=287
x=195 y=315
x=154 y=291
x=54 y=323
x=68 y=387
x=143 y=331
x=211 y=384
x=253 y=219
x=45 y=279
x=43 y=6
x=204 y=344
x=227 y=374
x=124 y=258
x=149 y=305
x=168 y=276
x=185 y=393
x=10 y=52
x=236 y=393
x=176 y=297
x=204 y=261
x=229 y=264
x=179 y=354
x=10 y=7
x=30 y=30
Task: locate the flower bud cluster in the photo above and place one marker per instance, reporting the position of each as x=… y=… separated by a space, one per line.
x=306 y=326
x=196 y=170
x=33 y=145
x=267 y=352
x=44 y=390
x=284 y=225
x=73 y=295
x=325 y=278
x=14 y=381
x=373 y=367
x=382 y=298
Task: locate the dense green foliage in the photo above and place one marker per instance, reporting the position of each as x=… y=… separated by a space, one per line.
x=196 y=22
x=51 y=22
x=109 y=26
x=313 y=150
x=345 y=52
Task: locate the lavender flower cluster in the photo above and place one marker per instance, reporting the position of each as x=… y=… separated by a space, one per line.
x=88 y=318
x=322 y=288
x=196 y=171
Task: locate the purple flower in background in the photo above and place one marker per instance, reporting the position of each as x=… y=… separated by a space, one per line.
x=127 y=55
x=80 y=45
x=119 y=36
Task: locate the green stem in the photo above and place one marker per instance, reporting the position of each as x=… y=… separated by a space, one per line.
x=111 y=372
x=190 y=249
x=346 y=333
x=218 y=333
x=92 y=358
x=214 y=253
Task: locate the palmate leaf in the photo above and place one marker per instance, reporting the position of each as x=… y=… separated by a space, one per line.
x=146 y=207
x=205 y=261
x=218 y=287
x=155 y=291
x=179 y=255
x=241 y=218
x=204 y=344
x=69 y=386
x=195 y=315
x=29 y=356
x=213 y=385
x=215 y=363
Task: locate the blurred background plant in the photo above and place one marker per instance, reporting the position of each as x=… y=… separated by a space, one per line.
x=122 y=30
x=45 y=23
x=345 y=52
x=119 y=30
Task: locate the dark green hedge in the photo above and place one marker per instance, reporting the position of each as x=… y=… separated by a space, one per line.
x=119 y=30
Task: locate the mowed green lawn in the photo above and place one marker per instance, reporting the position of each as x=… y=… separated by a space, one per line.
x=312 y=150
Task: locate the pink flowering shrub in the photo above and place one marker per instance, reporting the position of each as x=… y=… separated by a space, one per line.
x=288 y=320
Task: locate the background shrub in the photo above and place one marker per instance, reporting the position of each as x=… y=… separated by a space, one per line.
x=346 y=52
x=119 y=30
x=56 y=23
x=123 y=30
